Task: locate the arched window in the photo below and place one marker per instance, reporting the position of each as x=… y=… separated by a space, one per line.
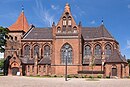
x=69 y=21
x=64 y=21
x=66 y=52
x=36 y=50
x=108 y=51
x=75 y=29
x=27 y=51
x=46 y=51
x=97 y=51
x=58 y=29
x=87 y=51
x=15 y=38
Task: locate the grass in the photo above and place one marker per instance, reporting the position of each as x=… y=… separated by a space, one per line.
x=90 y=79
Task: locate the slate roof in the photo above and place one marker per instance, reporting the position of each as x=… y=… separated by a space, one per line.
x=87 y=33
x=95 y=32
x=39 y=33
x=45 y=61
x=31 y=61
x=116 y=57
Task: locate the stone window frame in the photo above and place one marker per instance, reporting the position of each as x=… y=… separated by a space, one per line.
x=34 y=54
x=28 y=51
x=44 y=51
x=98 y=53
x=70 y=61
x=108 y=53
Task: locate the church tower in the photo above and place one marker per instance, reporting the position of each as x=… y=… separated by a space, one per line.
x=16 y=32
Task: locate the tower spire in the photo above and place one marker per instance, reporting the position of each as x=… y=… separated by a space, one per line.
x=22 y=8
x=102 y=21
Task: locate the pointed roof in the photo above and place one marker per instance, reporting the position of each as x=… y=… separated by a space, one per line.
x=95 y=32
x=67 y=12
x=21 y=24
x=116 y=57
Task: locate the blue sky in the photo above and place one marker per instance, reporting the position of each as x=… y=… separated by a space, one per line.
x=41 y=13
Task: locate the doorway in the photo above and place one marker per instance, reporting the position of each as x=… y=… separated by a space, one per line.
x=15 y=70
x=114 y=71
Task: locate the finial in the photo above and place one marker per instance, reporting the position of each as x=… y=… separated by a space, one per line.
x=67 y=7
x=22 y=8
x=102 y=20
x=53 y=24
x=80 y=23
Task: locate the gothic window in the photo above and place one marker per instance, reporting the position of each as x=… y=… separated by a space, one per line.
x=69 y=21
x=66 y=52
x=32 y=68
x=87 y=51
x=27 y=51
x=36 y=50
x=58 y=29
x=46 y=51
x=107 y=50
x=64 y=21
x=75 y=29
x=39 y=68
x=97 y=51
x=28 y=68
x=15 y=38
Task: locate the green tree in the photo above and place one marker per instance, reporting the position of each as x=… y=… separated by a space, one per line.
x=3 y=36
x=1 y=63
x=92 y=64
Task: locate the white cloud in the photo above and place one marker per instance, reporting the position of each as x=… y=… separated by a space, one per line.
x=92 y=22
x=128 y=44
x=54 y=7
x=43 y=14
x=129 y=6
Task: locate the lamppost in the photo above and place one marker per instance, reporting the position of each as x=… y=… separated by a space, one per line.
x=66 y=55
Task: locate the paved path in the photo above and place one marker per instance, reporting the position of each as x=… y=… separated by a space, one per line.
x=14 y=81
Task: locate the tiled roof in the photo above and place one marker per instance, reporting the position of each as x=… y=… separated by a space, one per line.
x=39 y=33
x=95 y=32
x=31 y=61
x=21 y=24
x=116 y=57
x=45 y=61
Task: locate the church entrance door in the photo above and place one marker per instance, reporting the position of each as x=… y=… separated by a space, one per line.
x=15 y=70
x=114 y=72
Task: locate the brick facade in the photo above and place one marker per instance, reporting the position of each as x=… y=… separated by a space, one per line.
x=47 y=58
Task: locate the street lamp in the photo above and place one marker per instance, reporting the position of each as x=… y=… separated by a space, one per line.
x=66 y=55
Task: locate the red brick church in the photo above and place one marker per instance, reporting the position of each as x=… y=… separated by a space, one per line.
x=43 y=51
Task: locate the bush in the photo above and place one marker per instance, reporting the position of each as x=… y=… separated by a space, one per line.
x=99 y=76
x=107 y=76
x=90 y=77
x=76 y=76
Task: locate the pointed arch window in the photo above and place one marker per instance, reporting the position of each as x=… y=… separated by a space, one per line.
x=75 y=29
x=69 y=21
x=97 y=51
x=64 y=21
x=66 y=52
x=108 y=51
x=46 y=51
x=36 y=50
x=87 y=51
x=27 y=51
x=58 y=30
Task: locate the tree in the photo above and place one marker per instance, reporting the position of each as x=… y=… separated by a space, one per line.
x=92 y=64
x=2 y=63
x=3 y=36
